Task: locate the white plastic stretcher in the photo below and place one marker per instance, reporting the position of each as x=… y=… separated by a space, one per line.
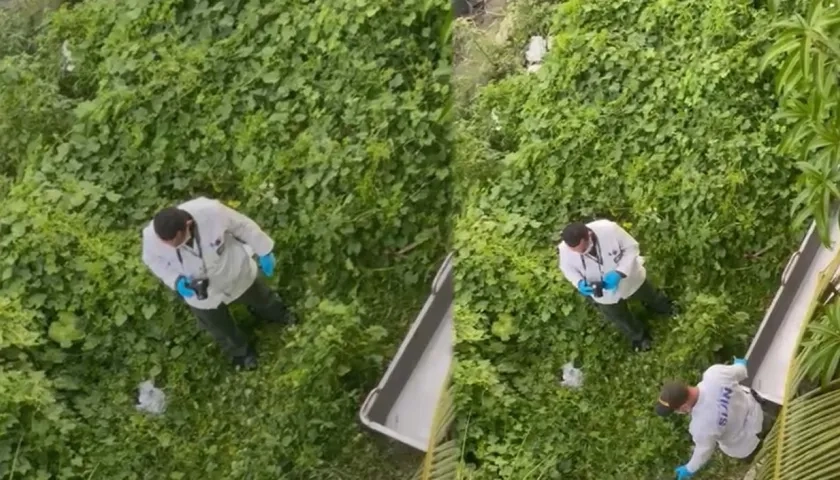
x=402 y=406
x=773 y=346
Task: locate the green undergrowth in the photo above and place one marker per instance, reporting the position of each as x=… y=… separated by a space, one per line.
x=491 y=44
x=653 y=114
x=326 y=122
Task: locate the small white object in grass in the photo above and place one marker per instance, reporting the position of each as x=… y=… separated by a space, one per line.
x=495 y=117
x=67 y=57
x=537 y=48
x=151 y=399
x=572 y=377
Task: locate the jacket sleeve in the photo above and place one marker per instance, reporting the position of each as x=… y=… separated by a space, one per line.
x=728 y=373
x=159 y=266
x=629 y=249
x=704 y=447
x=246 y=230
x=572 y=274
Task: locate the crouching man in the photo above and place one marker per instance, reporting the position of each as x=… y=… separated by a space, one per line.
x=202 y=249
x=723 y=413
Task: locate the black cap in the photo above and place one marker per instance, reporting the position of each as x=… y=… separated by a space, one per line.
x=673 y=395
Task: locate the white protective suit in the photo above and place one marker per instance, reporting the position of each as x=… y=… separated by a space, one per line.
x=228 y=241
x=618 y=250
x=725 y=414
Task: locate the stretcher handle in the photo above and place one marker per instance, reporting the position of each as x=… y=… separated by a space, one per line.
x=788 y=267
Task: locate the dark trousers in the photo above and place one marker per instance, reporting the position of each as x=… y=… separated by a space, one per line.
x=619 y=314
x=218 y=322
x=770 y=411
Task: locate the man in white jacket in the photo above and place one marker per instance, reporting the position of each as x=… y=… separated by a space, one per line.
x=602 y=261
x=723 y=413
x=204 y=250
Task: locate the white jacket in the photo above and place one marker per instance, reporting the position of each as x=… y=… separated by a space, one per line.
x=725 y=414
x=619 y=251
x=228 y=241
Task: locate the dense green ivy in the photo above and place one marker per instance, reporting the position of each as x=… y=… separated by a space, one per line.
x=653 y=114
x=326 y=122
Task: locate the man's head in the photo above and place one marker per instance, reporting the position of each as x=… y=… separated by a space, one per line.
x=172 y=225
x=577 y=236
x=675 y=396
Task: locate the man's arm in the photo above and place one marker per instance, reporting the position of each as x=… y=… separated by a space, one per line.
x=159 y=266
x=572 y=274
x=246 y=230
x=704 y=447
x=629 y=249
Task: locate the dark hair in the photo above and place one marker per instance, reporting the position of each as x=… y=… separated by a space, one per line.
x=574 y=233
x=169 y=222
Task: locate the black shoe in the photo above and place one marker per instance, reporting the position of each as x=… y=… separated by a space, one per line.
x=672 y=311
x=642 y=345
x=287 y=318
x=675 y=309
x=247 y=361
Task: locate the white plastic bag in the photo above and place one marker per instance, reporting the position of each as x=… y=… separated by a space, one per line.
x=151 y=399
x=537 y=49
x=572 y=377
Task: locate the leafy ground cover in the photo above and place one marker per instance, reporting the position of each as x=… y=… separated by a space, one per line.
x=326 y=122
x=654 y=114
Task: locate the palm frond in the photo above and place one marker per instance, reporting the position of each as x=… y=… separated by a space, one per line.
x=803 y=444
x=441 y=460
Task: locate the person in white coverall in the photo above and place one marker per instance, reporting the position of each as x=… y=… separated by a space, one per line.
x=723 y=413
x=204 y=250
x=602 y=261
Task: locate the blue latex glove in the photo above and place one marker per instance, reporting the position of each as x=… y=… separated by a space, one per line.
x=683 y=473
x=611 y=280
x=740 y=361
x=585 y=289
x=267 y=264
x=183 y=287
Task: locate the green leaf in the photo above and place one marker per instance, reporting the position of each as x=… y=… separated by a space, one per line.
x=783 y=46
x=504 y=327
x=149 y=311
x=271 y=77
x=788 y=75
x=176 y=352
x=65 y=330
